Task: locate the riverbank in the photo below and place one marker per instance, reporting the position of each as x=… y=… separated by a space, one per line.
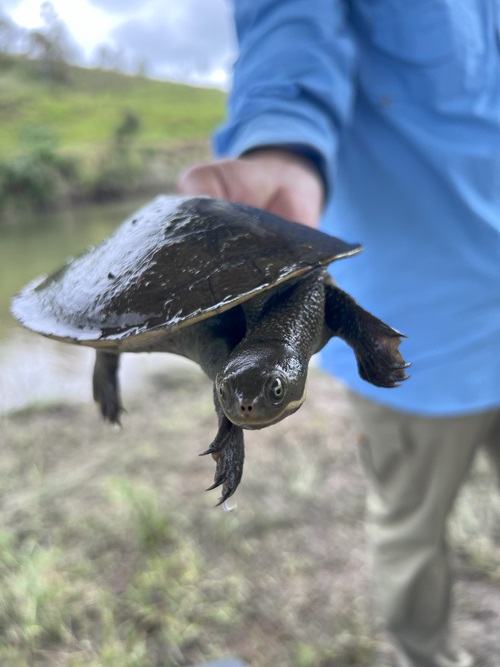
x=113 y=555
x=35 y=184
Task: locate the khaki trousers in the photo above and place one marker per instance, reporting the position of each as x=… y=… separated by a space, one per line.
x=415 y=466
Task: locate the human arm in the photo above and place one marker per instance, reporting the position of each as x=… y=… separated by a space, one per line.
x=291 y=96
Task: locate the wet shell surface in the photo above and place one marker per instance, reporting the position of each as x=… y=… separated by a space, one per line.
x=175 y=262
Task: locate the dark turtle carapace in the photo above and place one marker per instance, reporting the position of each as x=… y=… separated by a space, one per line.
x=239 y=291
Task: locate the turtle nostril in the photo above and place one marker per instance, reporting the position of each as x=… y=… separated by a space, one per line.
x=245 y=407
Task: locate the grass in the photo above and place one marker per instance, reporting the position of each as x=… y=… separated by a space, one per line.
x=84 y=114
x=111 y=554
x=101 y=136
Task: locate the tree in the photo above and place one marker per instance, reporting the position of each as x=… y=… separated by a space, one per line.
x=51 y=45
x=142 y=68
x=127 y=129
x=109 y=58
x=9 y=36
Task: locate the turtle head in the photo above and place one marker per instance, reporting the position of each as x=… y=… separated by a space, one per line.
x=261 y=384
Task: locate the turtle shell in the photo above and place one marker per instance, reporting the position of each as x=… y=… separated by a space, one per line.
x=175 y=262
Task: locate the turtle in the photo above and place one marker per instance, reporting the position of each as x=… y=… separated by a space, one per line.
x=238 y=290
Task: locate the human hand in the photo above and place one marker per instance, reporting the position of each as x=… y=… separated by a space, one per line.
x=273 y=179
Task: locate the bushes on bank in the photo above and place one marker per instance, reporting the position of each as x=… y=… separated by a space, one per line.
x=42 y=177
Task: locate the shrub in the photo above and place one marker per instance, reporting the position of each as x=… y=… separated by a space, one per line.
x=40 y=177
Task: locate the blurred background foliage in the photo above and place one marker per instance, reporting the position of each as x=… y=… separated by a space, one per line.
x=70 y=134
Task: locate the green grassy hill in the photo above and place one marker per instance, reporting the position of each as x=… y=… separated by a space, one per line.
x=84 y=113
x=99 y=135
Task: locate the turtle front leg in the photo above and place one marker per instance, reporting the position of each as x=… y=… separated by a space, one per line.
x=228 y=451
x=375 y=344
x=106 y=387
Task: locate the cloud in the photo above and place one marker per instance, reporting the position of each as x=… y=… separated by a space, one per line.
x=184 y=39
x=9 y=4
x=188 y=40
x=117 y=6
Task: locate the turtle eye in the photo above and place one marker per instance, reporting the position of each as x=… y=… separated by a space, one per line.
x=276 y=390
x=221 y=390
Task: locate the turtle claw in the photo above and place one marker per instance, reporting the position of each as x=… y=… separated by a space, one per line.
x=375 y=344
x=228 y=451
x=377 y=353
x=219 y=479
x=227 y=492
x=223 y=498
x=222 y=438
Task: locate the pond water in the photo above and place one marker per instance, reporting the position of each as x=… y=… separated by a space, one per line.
x=33 y=368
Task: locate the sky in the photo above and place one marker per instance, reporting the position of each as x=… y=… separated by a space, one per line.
x=182 y=40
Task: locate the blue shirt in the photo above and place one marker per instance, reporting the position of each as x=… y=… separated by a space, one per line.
x=399 y=105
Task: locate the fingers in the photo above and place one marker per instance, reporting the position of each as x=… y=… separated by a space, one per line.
x=276 y=180
x=299 y=207
x=297 y=191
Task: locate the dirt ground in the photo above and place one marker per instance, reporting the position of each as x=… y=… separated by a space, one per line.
x=283 y=580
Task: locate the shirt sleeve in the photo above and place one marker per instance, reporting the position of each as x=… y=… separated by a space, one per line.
x=292 y=82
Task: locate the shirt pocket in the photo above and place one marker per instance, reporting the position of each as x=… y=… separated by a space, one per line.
x=413 y=33
x=423 y=52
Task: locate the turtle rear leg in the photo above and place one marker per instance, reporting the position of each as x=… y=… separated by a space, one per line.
x=106 y=387
x=375 y=344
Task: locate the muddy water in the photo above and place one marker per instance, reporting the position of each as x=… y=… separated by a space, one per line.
x=33 y=368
